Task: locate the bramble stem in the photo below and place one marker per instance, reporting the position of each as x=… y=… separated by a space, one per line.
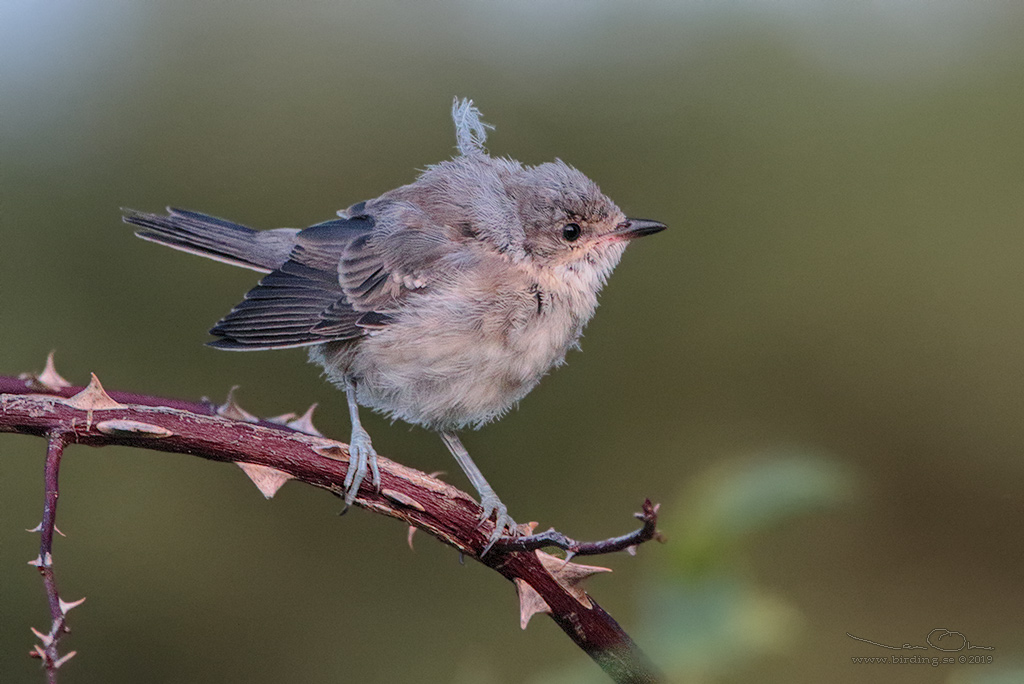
x=271 y=453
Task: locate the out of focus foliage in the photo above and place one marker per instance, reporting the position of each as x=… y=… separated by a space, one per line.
x=702 y=613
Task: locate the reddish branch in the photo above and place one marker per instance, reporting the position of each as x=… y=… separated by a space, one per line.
x=272 y=452
x=46 y=650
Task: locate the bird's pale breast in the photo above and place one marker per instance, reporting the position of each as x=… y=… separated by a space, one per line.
x=465 y=355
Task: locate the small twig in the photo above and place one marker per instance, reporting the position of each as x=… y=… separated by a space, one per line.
x=47 y=649
x=552 y=537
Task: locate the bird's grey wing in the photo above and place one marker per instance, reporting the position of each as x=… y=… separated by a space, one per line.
x=300 y=303
x=380 y=268
x=343 y=278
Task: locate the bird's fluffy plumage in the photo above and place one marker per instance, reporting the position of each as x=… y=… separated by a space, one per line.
x=441 y=303
x=446 y=300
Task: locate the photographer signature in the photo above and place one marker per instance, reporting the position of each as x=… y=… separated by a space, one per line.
x=955 y=642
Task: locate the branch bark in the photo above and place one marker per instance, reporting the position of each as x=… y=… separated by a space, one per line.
x=272 y=452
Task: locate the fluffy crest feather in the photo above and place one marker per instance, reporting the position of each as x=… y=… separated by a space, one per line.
x=470 y=129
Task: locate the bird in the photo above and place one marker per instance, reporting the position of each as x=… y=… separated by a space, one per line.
x=440 y=303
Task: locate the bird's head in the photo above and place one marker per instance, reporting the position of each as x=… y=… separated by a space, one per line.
x=569 y=223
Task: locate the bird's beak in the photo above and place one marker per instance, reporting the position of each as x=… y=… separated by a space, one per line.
x=634 y=228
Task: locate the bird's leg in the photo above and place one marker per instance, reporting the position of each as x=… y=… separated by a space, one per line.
x=360 y=450
x=488 y=498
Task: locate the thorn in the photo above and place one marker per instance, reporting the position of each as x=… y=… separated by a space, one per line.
x=39 y=528
x=66 y=607
x=343 y=511
x=281 y=419
x=304 y=423
x=231 y=410
x=132 y=428
x=268 y=480
x=65 y=658
x=45 y=638
x=37 y=652
x=47 y=381
x=335 y=452
x=42 y=561
x=530 y=602
x=570 y=575
x=411 y=534
x=92 y=398
x=402 y=499
x=462 y=558
x=50 y=378
x=631 y=549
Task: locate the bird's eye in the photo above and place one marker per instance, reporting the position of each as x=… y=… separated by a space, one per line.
x=571 y=232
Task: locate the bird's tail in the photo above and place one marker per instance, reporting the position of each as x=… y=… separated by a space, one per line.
x=215 y=238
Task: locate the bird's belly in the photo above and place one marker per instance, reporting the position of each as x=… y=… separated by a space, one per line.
x=449 y=377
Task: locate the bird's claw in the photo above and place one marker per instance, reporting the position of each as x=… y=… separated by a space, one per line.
x=361 y=457
x=504 y=525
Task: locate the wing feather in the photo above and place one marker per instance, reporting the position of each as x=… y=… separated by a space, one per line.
x=302 y=302
x=342 y=279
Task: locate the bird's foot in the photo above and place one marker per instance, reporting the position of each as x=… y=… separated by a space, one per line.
x=361 y=457
x=504 y=525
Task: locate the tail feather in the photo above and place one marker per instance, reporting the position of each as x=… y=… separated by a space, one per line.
x=215 y=238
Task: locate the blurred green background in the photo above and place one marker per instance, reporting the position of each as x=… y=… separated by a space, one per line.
x=817 y=370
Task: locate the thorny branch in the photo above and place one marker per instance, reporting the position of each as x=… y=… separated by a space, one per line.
x=276 y=450
x=46 y=650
